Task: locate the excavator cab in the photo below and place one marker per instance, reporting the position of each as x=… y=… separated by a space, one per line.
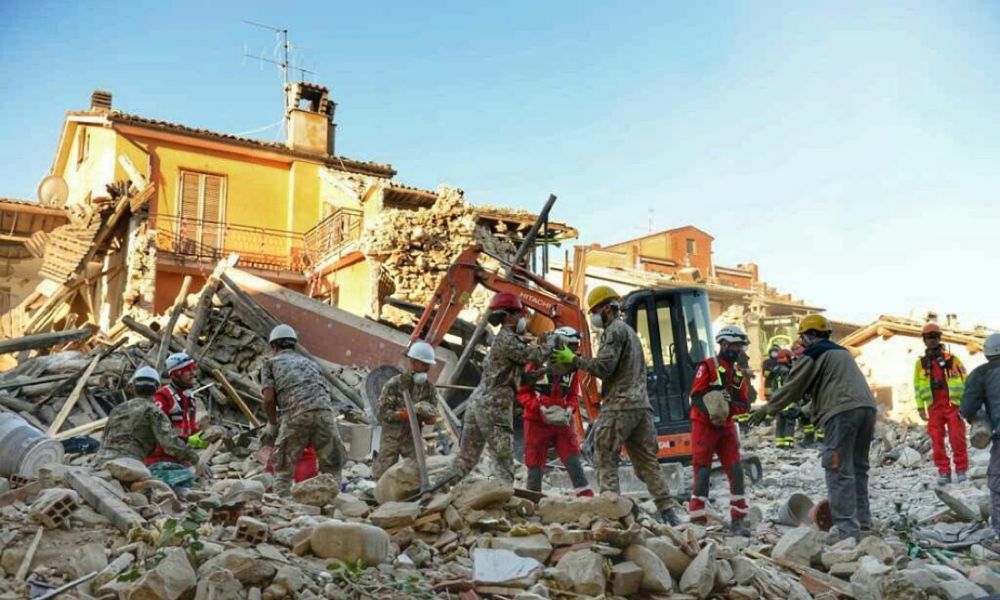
x=674 y=326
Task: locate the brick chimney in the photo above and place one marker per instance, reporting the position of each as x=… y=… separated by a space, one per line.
x=309 y=118
x=100 y=100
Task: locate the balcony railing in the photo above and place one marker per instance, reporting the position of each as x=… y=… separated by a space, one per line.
x=332 y=235
x=258 y=247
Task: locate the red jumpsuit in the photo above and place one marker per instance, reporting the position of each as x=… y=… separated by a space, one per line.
x=179 y=407
x=707 y=440
x=539 y=436
x=943 y=414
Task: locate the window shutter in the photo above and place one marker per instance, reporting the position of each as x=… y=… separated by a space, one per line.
x=188 y=210
x=212 y=212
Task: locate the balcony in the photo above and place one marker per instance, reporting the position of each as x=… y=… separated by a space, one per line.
x=332 y=236
x=261 y=248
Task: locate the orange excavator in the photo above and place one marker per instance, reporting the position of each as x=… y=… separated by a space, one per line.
x=673 y=324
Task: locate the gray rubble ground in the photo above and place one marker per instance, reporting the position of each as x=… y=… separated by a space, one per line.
x=233 y=539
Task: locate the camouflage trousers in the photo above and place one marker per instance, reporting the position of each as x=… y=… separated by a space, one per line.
x=634 y=431
x=314 y=427
x=488 y=422
x=396 y=441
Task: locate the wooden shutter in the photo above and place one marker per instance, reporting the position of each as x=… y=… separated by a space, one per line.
x=211 y=212
x=187 y=213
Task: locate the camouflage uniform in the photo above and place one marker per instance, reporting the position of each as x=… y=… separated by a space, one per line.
x=626 y=418
x=134 y=430
x=305 y=416
x=397 y=439
x=489 y=416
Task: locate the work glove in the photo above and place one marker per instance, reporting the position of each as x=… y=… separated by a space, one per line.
x=759 y=416
x=563 y=356
x=403 y=416
x=195 y=441
x=202 y=470
x=923 y=414
x=269 y=435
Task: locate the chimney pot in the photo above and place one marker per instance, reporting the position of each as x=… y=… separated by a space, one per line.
x=100 y=100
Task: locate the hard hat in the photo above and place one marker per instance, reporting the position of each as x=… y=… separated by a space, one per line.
x=991 y=347
x=732 y=334
x=599 y=295
x=931 y=328
x=814 y=323
x=785 y=356
x=506 y=301
x=421 y=351
x=146 y=374
x=282 y=332
x=568 y=335
x=178 y=361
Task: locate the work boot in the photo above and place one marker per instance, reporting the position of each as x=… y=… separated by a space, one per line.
x=669 y=517
x=739 y=527
x=961 y=478
x=944 y=479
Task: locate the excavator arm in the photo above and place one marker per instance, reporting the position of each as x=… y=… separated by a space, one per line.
x=465 y=274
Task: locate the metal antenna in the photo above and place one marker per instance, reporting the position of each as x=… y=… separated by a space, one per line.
x=285 y=64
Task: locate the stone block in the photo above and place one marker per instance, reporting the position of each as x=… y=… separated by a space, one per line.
x=626 y=578
x=350 y=542
x=54 y=506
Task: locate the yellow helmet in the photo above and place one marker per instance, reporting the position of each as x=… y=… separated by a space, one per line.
x=814 y=322
x=599 y=295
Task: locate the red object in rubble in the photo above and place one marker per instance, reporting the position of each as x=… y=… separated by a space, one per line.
x=305 y=469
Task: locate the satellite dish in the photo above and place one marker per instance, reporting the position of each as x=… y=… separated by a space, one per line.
x=53 y=191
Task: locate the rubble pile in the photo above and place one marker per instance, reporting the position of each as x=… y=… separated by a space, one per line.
x=415 y=248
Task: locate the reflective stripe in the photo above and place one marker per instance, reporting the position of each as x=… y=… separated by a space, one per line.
x=703 y=499
x=697 y=514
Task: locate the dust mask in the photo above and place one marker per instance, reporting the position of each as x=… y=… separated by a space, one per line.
x=420 y=378
x=597 y=321
x=522 y=325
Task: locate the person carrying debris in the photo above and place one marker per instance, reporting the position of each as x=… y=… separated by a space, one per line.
x=549 y=398
x=293 y=384
x=138 y=427
x=489 y=417
x=626 y=418
x=177 y=402
x=982 y=394
x=844 y=407
x=938 y=381
x=784 y=426
x=721 y=390
x=397 y=439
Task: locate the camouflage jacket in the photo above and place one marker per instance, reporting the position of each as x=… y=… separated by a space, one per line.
x=505 y=362
x=620 y=367
x=391 y=401
x=136 y=427
x=297 y=382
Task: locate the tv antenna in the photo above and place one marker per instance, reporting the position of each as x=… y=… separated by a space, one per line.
x=649 y=226
x=286 y=46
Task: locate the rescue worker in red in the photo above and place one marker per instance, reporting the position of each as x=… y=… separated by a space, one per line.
x=550 y=397
x=939 y=381
x=721 y=390
x=176 y=401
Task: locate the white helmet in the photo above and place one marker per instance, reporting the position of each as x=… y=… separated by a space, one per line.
x=991 y=347
x=732 y=334
x=177 y=361
x=282 y=332
x=421 y=351
x=147 y=374
x=568 y=335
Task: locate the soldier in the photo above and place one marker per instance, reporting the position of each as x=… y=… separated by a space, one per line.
x=397 y=439
x=489 y=416
x=626 y=418
x=293 y=384
x=137 y=427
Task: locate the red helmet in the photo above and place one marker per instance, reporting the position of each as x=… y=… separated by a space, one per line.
x=785 y=355
x=506 y=301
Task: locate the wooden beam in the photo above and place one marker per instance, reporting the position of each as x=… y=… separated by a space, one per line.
x=73 y=397
x=205 y=302
x=44 y=340
x=235 y=398
x=29 y=556
x=81 y=430
x=175 y=313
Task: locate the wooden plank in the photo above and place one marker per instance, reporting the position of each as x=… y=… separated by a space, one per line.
x=205 y=302
x=175 y=313
x=44 y=340
x=73 y=397
x=235 y=398
x=29 y=556
x=819 y=581
x=81 y=430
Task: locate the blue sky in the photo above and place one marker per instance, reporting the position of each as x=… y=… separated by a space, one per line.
x=850 y=149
